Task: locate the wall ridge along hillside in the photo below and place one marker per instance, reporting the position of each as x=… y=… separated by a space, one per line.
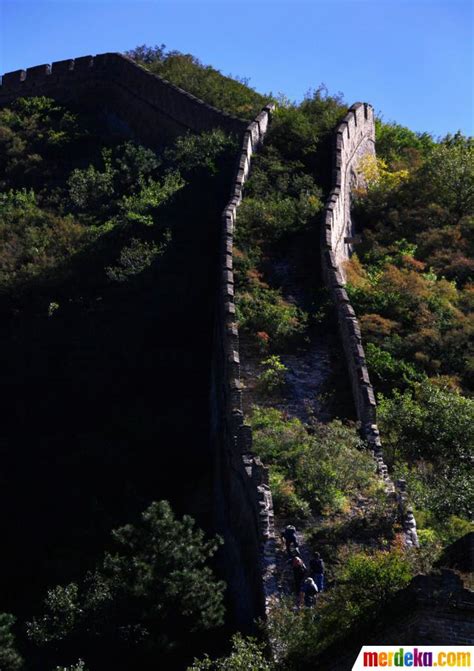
x=355 y=138
x=115 y=83
x=251 y=491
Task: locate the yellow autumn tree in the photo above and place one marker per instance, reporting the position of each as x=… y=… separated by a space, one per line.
x=375 y=176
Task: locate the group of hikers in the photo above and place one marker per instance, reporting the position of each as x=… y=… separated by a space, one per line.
x=308 y=582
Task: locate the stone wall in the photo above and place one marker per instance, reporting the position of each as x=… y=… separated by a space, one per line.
x=151 y=108
x=243 y=499
x=355 y=138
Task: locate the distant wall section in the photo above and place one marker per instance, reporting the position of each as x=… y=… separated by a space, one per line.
x=355 y=138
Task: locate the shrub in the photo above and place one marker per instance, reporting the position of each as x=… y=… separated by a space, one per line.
x=396 y=143
x=134 y=258
x=90 y=189
x=141 y=207
x=387 y=369
x=322 y=467
x=132 y=163
x=334 y=468
x=432 y=428
x=377 y=178
x=33 y=241
x=365 y=582
x=204 y=150
x=35 y=136
x=448 y=175
x=265 y=310
x=279 y=440
x=440 y=492
x=286 y=502
x=75 y=667
x=297 y=131
x=247 y=654
x=429 y=422
x=273 y=377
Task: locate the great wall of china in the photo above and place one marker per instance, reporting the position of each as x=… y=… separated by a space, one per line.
x=152 y=109
x=355 y=138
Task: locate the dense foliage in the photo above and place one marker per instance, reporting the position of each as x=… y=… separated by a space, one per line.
x=132 y=605
x=313 y=469
x=411 y=286
x=65 y=184
x=230 y=94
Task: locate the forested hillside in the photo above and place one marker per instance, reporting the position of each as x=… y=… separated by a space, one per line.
x=106 y=395
x=411 y=284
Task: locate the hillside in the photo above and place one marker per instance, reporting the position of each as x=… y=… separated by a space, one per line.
x=116 y=394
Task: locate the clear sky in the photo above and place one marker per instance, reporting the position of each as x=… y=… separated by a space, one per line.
x=412 y=59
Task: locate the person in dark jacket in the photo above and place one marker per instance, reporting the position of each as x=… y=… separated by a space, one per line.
x=317 y=569
x=289 y=536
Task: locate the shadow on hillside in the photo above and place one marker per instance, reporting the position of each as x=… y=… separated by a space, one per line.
x=105 y=404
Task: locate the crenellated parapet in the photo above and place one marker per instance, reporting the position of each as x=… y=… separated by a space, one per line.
x=151 y=107
x=355 y=139
x=250 y=481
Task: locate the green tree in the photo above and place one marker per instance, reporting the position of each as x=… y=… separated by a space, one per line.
x=143 y=597
x=33 y=240
x=90 y=188
x=206 y=150
x=136 y=257
x=141 y=207
x=448 y=175
x=10 y=660
x=396 y=143
x=430 y=422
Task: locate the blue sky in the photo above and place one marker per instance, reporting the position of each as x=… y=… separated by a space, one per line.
x=412 y=59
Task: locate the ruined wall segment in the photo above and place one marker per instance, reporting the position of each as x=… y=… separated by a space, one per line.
x=354 y=139
x=243 y=500
x=152 y=108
